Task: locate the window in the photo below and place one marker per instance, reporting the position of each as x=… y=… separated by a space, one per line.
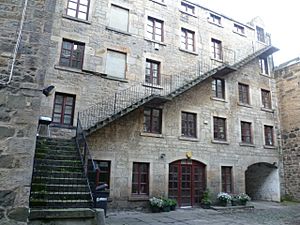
x=188 y=124
x=187 y=40
x=152 y=72
x=227 y=185
x=63 y=110
x=119 y=18
x=71 y=54
x=104 y=167
x=185 y=7
x=260 y=34
x=219 y=129
x=266 y=99
x=215 y=19
x=140 y=179
x=155 y=29
x=244 y=93
x=269 y=137
x=246 y=132
x=238 y=29
x=78 y=9
x=263 y=64
x=216 y=46
x=116 y=64
x=218 y=88
x=152 y=120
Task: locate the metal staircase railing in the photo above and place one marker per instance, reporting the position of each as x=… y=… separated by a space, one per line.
x=139 y=93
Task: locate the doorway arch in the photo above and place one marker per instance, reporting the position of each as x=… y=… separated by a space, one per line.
x=187 y=181
x=262 y=182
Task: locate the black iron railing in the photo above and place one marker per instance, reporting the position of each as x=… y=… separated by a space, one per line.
x=113 y=104
x=91 y=170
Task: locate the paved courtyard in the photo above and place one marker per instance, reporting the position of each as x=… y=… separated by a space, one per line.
x=263 y=213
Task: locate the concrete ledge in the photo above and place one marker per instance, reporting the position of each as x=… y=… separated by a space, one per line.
x=232 y=208
x=61 y=213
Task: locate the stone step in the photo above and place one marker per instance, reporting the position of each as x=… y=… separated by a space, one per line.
x=56 y=162
x=54 y=152
x=61 y=195
x=55 y=168
x=58 y=174
x=50 y=155
x=42 y=203
x=58 y=180
x=57 y=147
x=37 y=187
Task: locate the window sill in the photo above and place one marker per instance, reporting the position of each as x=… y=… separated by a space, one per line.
x=218 y=99
x=156 y=42
x=186 y=13
x=187 y=51
x=220 y=142
x=241 y=34
x=138 y=198
x=193 y=139
x=217 y=60
x=58 y=125
x=244 y=105
x=246 y=145
x=105 y=76
x=216 y=24
x=76 y=19
x=145 y=134
x=267 y=110
x=265 y=75
x=117 y=30
x=153 y=86
x=160 y=3
x=68 y=69
x=269 y=147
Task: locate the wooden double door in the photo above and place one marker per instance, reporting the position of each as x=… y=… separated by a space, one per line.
x=187 y=182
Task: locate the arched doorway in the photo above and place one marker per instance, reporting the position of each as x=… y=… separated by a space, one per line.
x=262 y=182
x=187 y=181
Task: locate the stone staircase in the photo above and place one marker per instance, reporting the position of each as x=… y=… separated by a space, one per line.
x=58 y=179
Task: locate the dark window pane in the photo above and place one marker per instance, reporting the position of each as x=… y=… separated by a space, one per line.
x=72 y=54
x=63 y=109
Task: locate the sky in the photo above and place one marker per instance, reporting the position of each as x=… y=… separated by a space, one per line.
x=281 y=20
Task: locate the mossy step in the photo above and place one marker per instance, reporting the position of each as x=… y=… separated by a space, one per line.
x=59 y=174
x=55 y=168
x=64 y=162
x=56 y=180
x=39 y=187
x=48 y=155
x=61 y=195
x=57 y=147
x=59 y=152
x=41 y=203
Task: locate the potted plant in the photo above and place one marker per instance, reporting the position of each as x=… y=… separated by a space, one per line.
x=224 y=198
x=173 y=204
x=235 y=200
x=156 y=204
x=243 y=198
x=206 y=200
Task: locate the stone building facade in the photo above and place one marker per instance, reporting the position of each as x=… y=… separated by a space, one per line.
x=101 y=56
x=287 y=79
x=20 y=99
x=124 y=45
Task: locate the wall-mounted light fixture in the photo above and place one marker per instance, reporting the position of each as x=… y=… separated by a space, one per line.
x=162 y=155
x=48 y=90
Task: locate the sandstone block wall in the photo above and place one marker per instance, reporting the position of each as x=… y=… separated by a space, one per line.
x=20 y=101
x=287 y=80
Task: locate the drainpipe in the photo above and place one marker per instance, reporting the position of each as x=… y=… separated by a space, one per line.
x=17 y=45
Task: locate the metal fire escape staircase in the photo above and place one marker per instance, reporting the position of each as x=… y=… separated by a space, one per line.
x=125 y=101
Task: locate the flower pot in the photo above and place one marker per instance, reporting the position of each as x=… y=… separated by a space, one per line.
x=166 y=209
x=155 y=209
x=235 y=202
x=243 y=202
x=223 y=203
x=205 y=206
x=173 y=207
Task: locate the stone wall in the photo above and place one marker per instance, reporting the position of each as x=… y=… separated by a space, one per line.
x=123 y=142
x=288 y=80
x=90 y=86
x=20 y=101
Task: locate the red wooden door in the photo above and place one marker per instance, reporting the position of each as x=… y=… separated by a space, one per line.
x=186 y=182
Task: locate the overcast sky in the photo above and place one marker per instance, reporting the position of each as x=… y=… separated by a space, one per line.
x=281 y=18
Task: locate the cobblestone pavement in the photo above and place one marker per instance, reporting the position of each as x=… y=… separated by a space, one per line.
x=264 y=213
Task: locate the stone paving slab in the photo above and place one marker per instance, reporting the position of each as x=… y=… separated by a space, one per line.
x=264 y=213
